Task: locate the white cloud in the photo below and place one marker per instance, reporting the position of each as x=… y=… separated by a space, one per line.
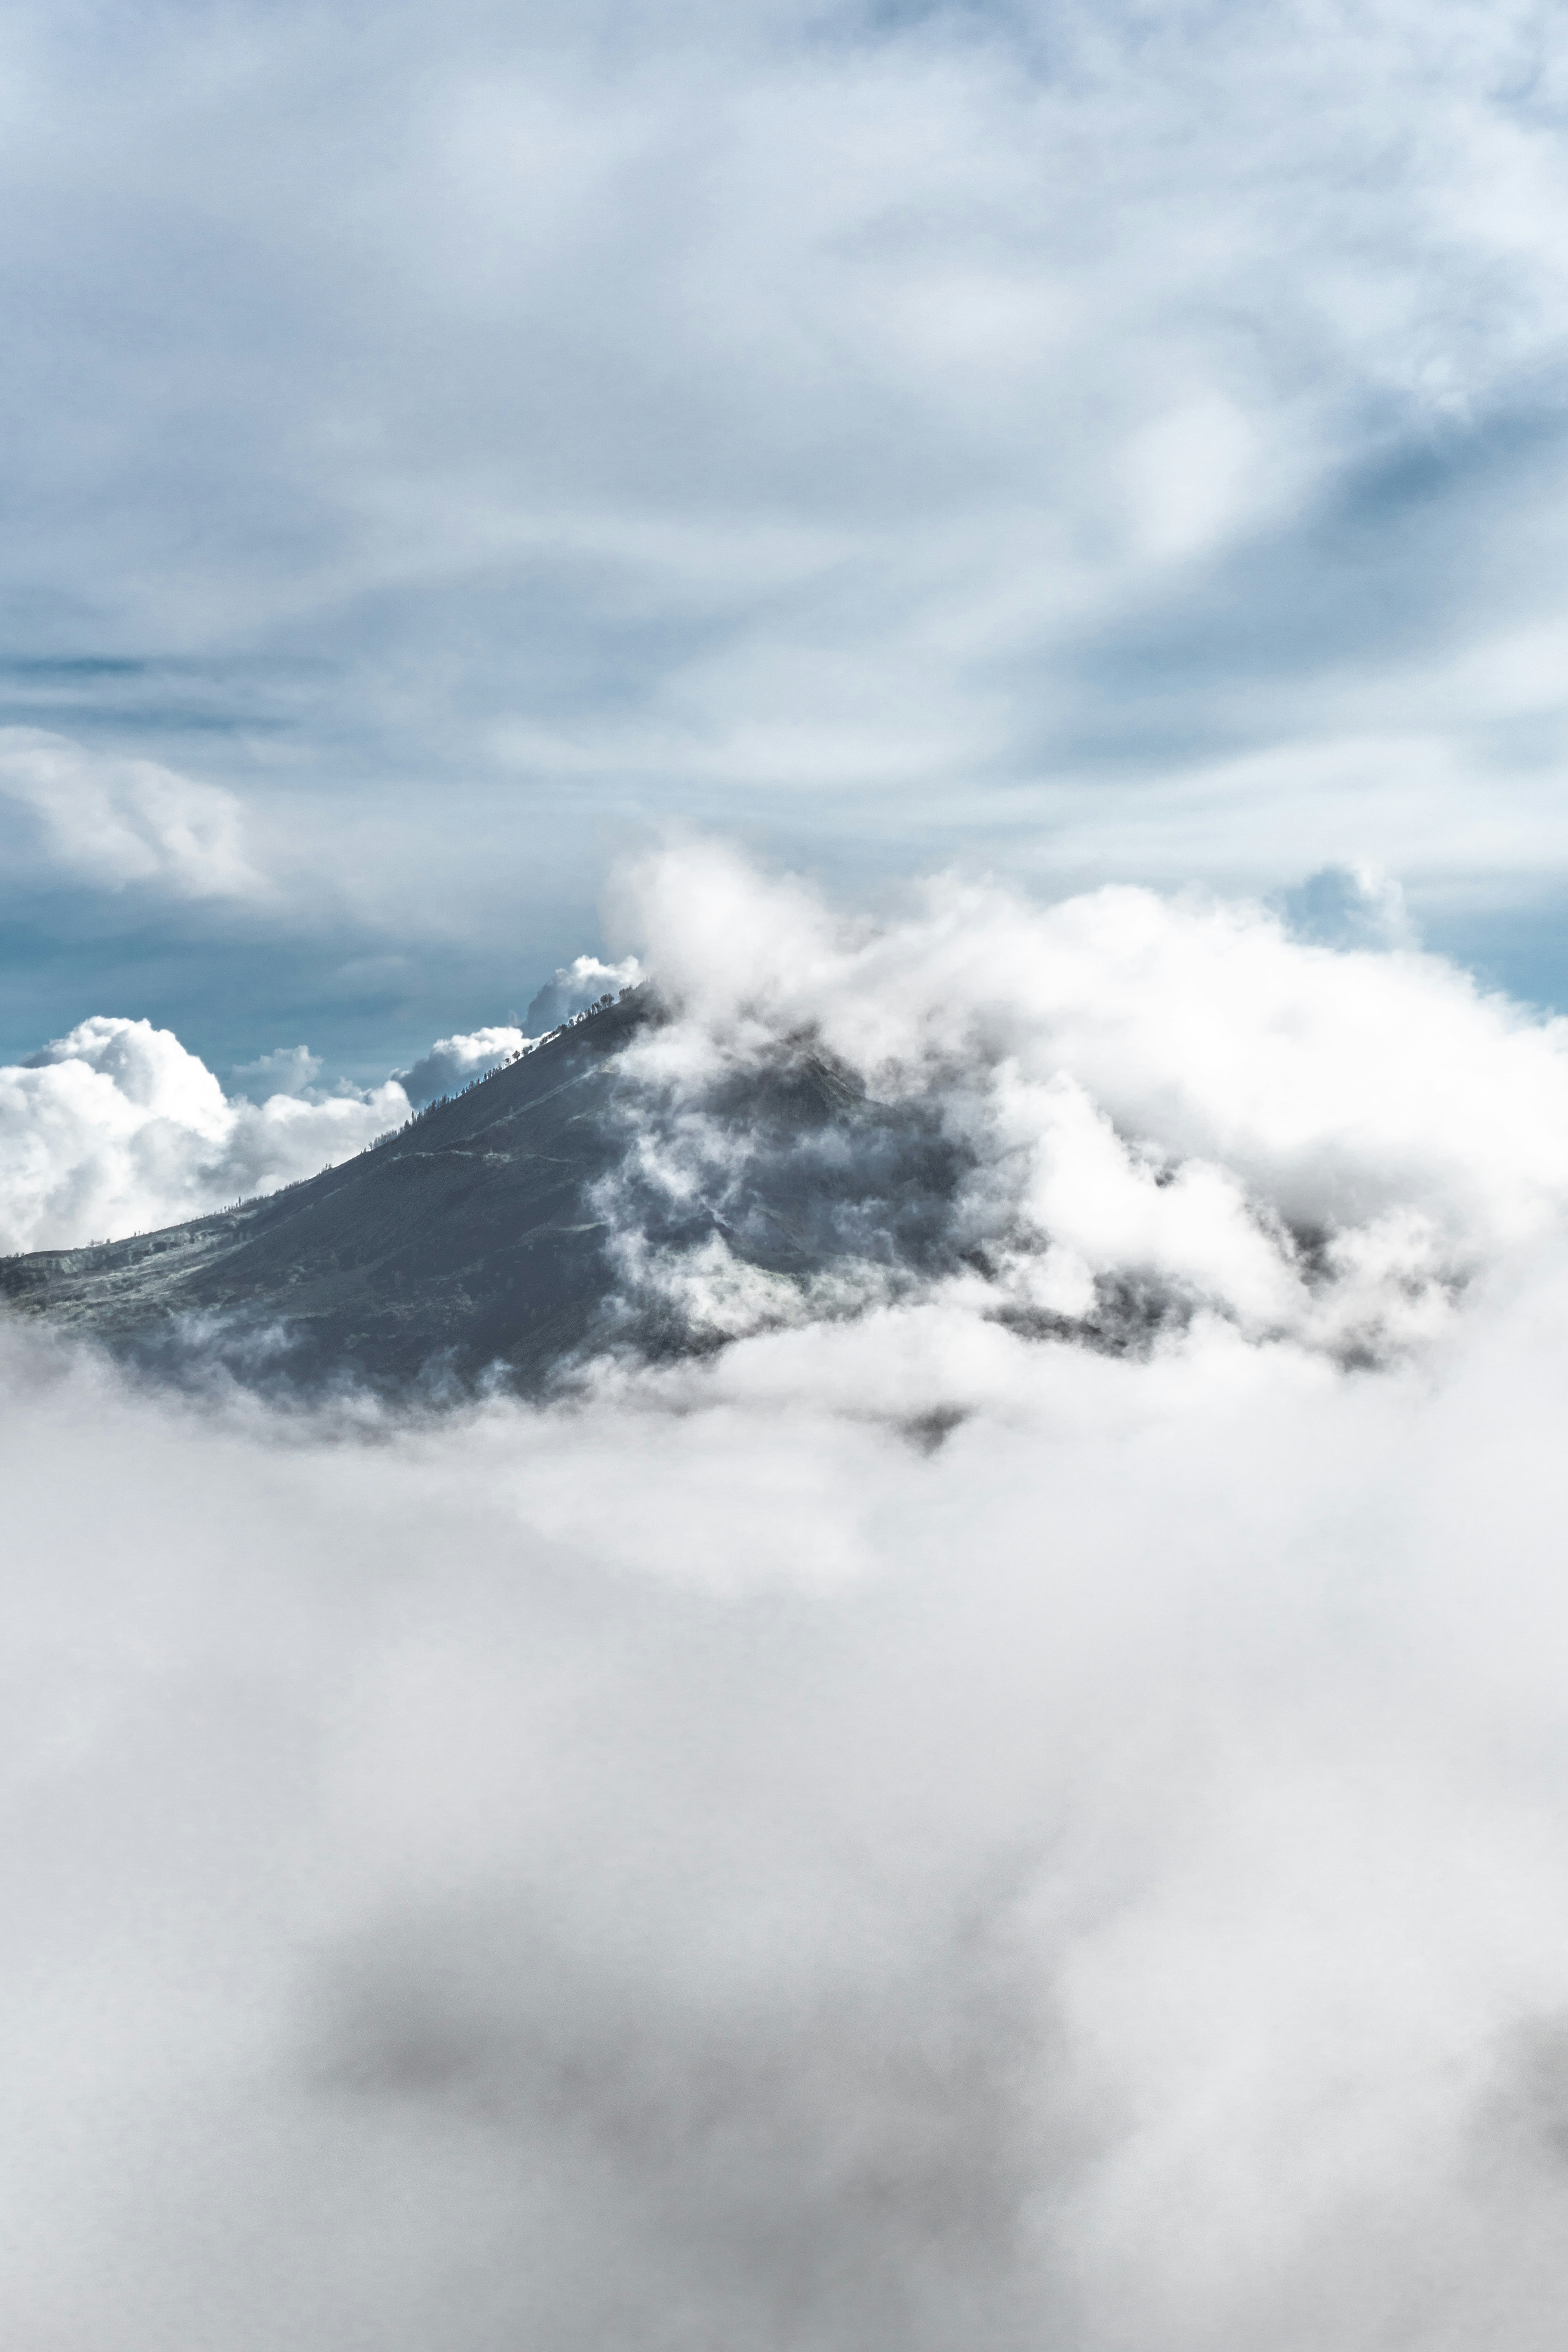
x=697 y=1855
x=1350 y=906
x=116 y=1128
x=1171 y=1100
x=578 y=984
x=901 y=1833
x=287 y=1070
x=1002 y=425
x=453 y=1061
x=107 y=822
x=1191 y=477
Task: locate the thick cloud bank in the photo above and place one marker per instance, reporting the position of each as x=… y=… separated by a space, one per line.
x=698 y=1869
x=116 y=1128
x=1108 y=1117
x=907 y=1831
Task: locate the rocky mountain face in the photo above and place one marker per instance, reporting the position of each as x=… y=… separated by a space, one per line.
x=516 y=1228
x=463 y=1242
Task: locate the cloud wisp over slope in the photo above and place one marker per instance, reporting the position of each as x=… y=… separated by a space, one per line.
x=902 y=1829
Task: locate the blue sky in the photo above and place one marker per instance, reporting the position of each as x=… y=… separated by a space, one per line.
x=444 y=450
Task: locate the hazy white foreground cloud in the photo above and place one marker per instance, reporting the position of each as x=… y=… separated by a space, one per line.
x=693 y=1867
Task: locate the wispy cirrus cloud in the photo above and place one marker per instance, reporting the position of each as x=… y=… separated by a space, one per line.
x=1124 y=446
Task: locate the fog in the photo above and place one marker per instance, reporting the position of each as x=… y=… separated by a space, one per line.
x=948 y=1819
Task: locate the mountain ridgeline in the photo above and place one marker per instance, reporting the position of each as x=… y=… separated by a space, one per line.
x=474 y=1246
x=462 y=1241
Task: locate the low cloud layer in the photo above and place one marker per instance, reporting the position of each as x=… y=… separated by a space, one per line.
x=906 y=1832
x=697 y=1866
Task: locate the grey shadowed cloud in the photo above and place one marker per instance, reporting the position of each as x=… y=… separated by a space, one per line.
x=1104 y=445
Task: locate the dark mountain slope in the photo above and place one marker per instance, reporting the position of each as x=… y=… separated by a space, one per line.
x=474 y=1243
x=464 y=1241
x=470 y=1244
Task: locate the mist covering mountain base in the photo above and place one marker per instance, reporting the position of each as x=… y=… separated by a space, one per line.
x=981 y=1761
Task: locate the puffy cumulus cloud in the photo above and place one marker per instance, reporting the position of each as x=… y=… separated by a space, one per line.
x=287 y=1070
x=453 y=1061
x=577 y=985
x=88 y=817
x=693 y=1868
x=1116 y=1112
x=118 y=1128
